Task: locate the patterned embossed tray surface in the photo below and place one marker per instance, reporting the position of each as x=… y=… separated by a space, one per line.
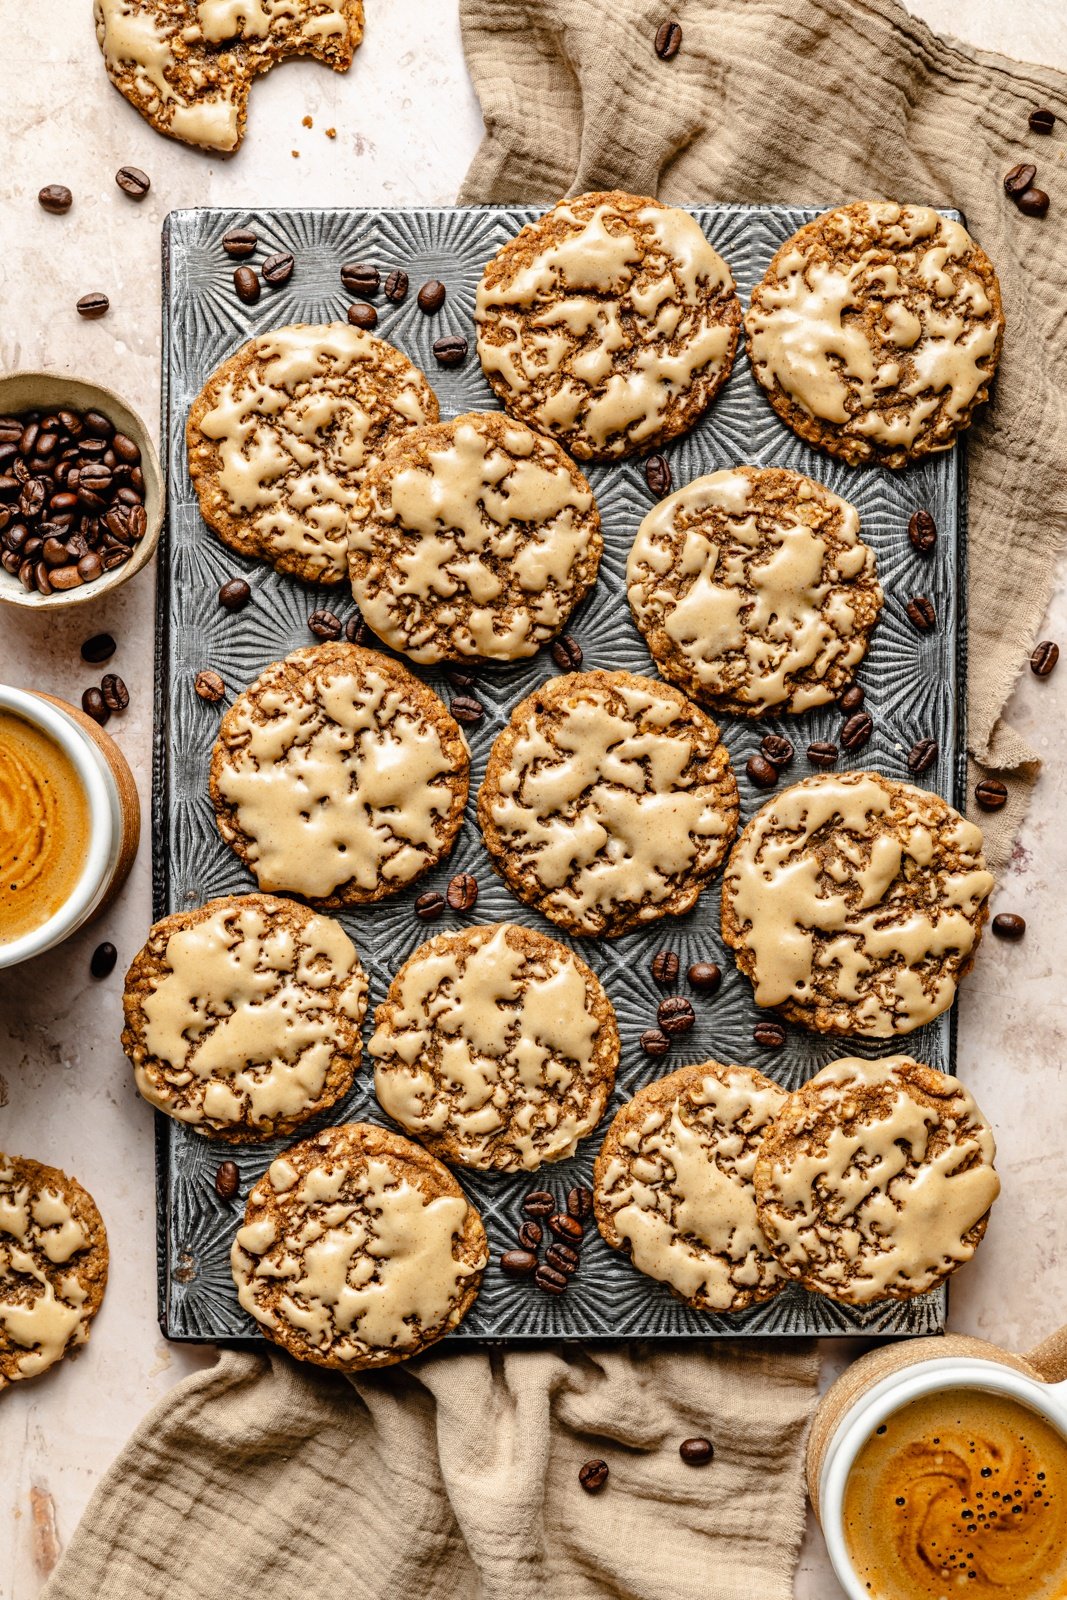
x=913 y=683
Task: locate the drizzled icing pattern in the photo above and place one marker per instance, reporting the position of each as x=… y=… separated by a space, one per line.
x=754 y=589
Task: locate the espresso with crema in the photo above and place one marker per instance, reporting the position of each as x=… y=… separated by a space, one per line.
x=44 y=827
x=960 y=1495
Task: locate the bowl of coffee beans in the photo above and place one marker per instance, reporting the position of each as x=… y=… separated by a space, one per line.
x=81 y=491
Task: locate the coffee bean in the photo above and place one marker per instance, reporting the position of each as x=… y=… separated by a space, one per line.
x=1043 y=658
x=593 y=1475
x=566 y=1227
x=658 y=476
x=530 y=1235
x=761 y=772
x=278 y=269
x=654 y=1043
x=115 y=693
x=705 y=976
x=668 y=39
x=431 y=297
x=451 y=350
x=430 y=906
x=1019 y=179
x=93 y=305
x=102 y=961
x=769 y=1035
x=991 y=794
x=462 y=892
x=1033 y=202
x=466 y=709
x=696 y=1452
x=359 y=278
x=777 y=750
x=137 y=523
x=227 y=1180
x=580 y=1203
x=1008 y=925
x=852 y=698
x=63 y=578
x=564 y=1258
x=921 y=613
x=922 y=531
x=325 y=625
x=363 y=315
x=675 y=1015
x=90 y=567
x=1042 y=120
x=518 y=1263
x=93 y=479
x=460 y=680
x=567 y=653
x=101 y=647
x=922 y=755
x=246 y=282
x=209 y=686
x=396 y=286
x=234 y=594
x=665 y=967
x=240 y=242
x=822 y=753
x=857 y=731
x=56 y=198
x=550 y=1280
x=93 y=702
x=356 y=631
x=539 y=1203
x=134 y=182
x=127 y=449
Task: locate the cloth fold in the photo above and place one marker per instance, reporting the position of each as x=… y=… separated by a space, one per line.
x=817 y=102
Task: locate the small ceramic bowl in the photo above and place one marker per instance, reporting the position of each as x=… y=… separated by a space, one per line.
x=47 y=391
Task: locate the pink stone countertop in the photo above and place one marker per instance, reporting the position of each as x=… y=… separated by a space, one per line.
x=66 y=1096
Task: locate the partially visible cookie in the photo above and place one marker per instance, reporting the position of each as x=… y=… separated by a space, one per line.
x=188 y=68
x=496 y=1047
x=243 y=1016
x=754 y=590
x=474 y=537
x=338 y=776
x=359 y=1249
x=610 y=323
x=876 y=331
x=855 y=903
x=876 y=1179
x=53 y=1267
x=608 y=801
x=281 y=434
x=673 y=1185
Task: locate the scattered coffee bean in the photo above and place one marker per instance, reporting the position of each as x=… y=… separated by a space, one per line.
x=1033 y=202
x=466 y=709
x=93 y=305
x=56 y=198
x=227 y=1180
x=363 y=315
x=1008 y=925
x=921 y=614
x=1019 y=179
x=278 y=269
x=239 y=243
x=530 y=1235
x=462 y=892
x=101 y=647
x=246 y=282
x=460 y=680
x=777 y=750
x=93 y=703
x=922 y=755
x=696 y=1452
x=857 y=731
x=822 y=753
x=922 y=531
x=566 y=1227
x=654 y=1043
x=209 y=686
x=761 y=772
x=564 y=1258
x=675 y=1015
x=705 y=976
x=234 y=594
x=991 y=794
x=550 y=1280
x=567 y=653
x=396 y=286
x=134 y=182
x=770 y=1035
x=102 y=960
x=665 y=967
x=1042 y=120
x=451 y=350
x=431 y=297
x=851 y=699
x=115 y=693
x=325 y=625
x=668 y=39
x=539 y=1203
x=358 y=278
x=518 y=1263
x=580 y=1202
x=593 y=1475
x=1043 y=658
x=356 y=631
x=430 y=906
x=658 y=476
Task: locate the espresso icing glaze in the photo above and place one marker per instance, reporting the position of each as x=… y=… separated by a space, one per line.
x=754 y=589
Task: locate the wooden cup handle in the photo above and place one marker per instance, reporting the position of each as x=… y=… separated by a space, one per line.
x=1050 y=1357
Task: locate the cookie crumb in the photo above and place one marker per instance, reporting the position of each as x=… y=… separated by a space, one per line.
x=307 y=122
x=331 y=133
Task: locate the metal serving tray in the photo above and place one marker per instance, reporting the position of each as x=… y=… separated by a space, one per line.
x=914 y=684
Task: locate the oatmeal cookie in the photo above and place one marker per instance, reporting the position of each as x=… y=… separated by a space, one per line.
x=53 y=1267
x=359 y=1249
x=608 y=801
x=609 y=323
x=338 y=776
x=854 y=903
x=876 y=1179
x=876 y=331
x=242 y=1017
x=475 y=537
x=673 y=1185
x=282 y=432
x=754 y=590
x=496 y=1047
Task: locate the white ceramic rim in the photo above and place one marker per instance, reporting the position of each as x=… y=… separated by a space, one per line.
x=93 y=774
x=895 y=1391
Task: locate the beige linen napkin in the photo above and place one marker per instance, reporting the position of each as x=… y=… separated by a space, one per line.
x=819 y=101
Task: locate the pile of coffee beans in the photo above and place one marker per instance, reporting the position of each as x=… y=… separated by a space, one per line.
x=562 y=1257
x=675 y=1015
x=71 y=498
